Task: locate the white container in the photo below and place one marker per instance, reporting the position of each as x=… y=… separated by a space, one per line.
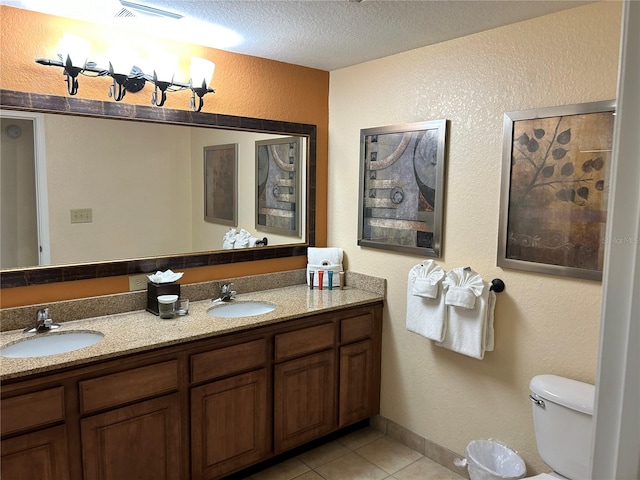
x=491 y=460
x=167 y=306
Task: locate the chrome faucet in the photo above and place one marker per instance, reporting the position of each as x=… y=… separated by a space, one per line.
x=226 y=294
x=43 y=323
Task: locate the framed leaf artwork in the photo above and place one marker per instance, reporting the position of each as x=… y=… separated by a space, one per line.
x=555 y=186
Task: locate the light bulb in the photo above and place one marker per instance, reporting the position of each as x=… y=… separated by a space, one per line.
x=74 y=47
x=201 y=70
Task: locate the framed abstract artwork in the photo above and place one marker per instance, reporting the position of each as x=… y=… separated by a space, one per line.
x=221 y=184
x=278 y=181
x=555 y=186
x=402 y=171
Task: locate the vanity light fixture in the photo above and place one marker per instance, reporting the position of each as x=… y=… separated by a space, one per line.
x=73 y=59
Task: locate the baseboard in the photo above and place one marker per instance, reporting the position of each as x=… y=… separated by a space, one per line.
x=424 y=446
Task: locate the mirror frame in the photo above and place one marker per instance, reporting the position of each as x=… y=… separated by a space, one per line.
x=35 y=102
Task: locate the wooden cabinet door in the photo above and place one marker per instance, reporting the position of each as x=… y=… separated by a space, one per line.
x=357 y=396
x=229 y=426
x=304 y=402
x=42 y=455
x=141 y=441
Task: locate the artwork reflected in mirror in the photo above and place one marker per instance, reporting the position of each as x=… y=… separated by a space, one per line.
x=221 y=184
x=278 y=185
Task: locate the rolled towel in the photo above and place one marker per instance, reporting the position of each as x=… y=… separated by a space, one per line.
x=464 y=285
x=428 y=276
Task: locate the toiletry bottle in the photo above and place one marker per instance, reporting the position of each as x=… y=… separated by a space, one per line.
x=330 y=279
x=320 y=279
x=311 y=280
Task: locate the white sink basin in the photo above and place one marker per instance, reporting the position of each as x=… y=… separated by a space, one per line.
x=241 y=309
x=43 y=344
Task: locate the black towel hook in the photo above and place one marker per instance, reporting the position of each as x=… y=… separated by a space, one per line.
x=497 y=285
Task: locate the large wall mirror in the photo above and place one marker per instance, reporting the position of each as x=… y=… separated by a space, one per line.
x=120 y=189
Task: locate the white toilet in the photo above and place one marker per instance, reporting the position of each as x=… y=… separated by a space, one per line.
x=563 y=422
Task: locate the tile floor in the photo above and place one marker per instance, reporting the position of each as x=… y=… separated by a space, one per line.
x=365 y=454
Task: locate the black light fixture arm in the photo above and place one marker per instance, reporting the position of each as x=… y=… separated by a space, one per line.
x=134 y=81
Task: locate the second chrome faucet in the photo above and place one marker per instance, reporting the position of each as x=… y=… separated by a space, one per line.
x=226 y=293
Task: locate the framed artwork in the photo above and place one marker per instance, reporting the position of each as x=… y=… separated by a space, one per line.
x=555 y=187
x=221 y=184
x=402 y=171
x=278 y=185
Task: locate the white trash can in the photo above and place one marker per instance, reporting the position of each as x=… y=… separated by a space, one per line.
x=491 y=460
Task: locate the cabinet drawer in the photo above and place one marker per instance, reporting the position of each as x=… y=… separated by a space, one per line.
x=32 y=410
x=356 y=328
x=304 y=341
x=228 y=360
x=129 y=386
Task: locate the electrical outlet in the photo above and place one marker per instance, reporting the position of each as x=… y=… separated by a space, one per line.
x=138 y=282
x=81 y=215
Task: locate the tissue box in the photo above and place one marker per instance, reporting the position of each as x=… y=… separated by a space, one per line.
x=154 y=290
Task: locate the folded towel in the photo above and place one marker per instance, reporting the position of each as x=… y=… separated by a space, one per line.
x=229 y=239
x=426 y=316
x=242 y=239
x=324 y=256
x=329 y=258
x=464 y=286
x=427 y=279
x=422 y=287
x=470 y=330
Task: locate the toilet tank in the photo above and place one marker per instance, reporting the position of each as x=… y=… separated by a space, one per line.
x=563 y=423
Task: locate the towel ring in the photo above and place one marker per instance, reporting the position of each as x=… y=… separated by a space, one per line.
x=497 y=285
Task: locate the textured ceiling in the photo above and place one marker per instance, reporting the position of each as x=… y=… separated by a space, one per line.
x=331 y=34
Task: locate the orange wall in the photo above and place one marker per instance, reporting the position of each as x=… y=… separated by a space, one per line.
x=245 y=86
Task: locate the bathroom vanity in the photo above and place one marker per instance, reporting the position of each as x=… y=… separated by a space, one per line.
x=197 y=397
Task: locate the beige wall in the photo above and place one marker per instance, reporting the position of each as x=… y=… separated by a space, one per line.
x=119 y=170
x=144 y=183
x=544 y=324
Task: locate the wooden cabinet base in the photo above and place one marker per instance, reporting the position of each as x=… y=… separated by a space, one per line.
x=42 y=455
x=196 y=411
x=229 y=425
x=141 y=441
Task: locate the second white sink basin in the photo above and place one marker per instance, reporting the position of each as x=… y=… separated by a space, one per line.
x=241 y=309
x=43 y=344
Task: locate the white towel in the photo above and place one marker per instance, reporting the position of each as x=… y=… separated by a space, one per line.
x=426 y=316
x=329 y=258
x=324 y=256
x=242 y=239
x=464 y=286
x=470 y=331
x=229 y=239
x=427 y=279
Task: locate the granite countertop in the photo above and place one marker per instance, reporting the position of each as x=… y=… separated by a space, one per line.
x=140 y=330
